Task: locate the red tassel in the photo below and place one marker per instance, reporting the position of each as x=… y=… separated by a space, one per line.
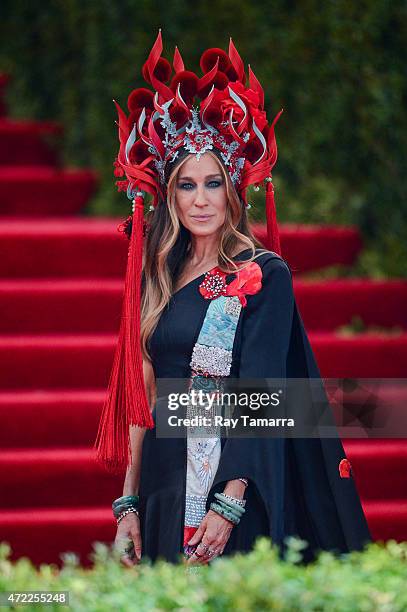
x=126 y=403
x=273 y=236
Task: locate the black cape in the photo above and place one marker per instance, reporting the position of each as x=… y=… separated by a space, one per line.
x=294 y=483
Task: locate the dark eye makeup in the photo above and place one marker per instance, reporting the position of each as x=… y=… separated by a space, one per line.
x=212 y=184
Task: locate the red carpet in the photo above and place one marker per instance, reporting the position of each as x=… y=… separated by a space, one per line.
x=38 y=191
x=309 y=247
x=24 y=143
x=61 y=282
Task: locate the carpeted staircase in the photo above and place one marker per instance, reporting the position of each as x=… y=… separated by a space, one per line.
x=61 y=282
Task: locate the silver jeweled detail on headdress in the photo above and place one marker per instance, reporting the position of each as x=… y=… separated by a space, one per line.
x=197 y=140
x=201 y=139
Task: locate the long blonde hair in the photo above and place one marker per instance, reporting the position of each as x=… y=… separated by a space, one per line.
x=168 y=243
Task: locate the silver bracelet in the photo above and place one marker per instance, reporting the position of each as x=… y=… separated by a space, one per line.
x=125 y=513
x=237 y=500
x=245 y=481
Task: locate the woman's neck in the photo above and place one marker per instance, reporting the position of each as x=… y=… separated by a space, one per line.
x=205 y=252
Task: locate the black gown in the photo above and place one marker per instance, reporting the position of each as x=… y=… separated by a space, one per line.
x=294 y=483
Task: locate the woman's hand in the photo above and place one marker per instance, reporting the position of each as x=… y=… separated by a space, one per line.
x=128 y=540
x=213 y=534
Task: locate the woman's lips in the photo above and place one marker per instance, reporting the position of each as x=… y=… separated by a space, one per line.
x=202 y=217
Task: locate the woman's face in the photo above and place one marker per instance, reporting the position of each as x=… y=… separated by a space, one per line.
x=200 y=195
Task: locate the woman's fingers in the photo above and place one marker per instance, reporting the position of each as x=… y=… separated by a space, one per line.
x=128 y=540
x=198 y=535
x=214 y=532
x=136 y=537
x=203 y=555
x=211 y=551
x=206 y=551
x=124 y=545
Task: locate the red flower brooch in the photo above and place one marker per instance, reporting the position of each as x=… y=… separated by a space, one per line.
x=214 y=284
x=247 y=282
x=345 y=468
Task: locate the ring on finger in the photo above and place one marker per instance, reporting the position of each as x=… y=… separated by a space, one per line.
x=199 y=556
x=204 y=546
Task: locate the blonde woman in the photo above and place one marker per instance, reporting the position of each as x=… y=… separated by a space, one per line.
x=215 y=306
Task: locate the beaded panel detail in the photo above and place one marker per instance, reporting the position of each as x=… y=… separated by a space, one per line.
x=233 y=307
x=195 y=509
x=211 y=360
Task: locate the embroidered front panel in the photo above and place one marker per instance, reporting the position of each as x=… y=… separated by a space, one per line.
x=211 y=362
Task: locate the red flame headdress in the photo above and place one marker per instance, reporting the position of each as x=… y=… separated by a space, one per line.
x=230 y=117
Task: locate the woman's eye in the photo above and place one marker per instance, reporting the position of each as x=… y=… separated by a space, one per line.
x=188 y=186
x=215 y=183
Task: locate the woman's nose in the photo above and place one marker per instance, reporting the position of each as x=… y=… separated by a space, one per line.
x=200 y=196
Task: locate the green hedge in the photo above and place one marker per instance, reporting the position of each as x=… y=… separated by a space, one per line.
x=337 y=68
x=372 y=580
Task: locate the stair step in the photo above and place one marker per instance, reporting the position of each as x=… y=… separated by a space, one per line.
x=369 y=355
x=325 y=305
x=310 y=247
x=32 y=191
x=387 y=519
x=40 y=305
x=55 y=477
x=44 y=248
x=42 y=534
x=77 y=409
x=29 y=143
x=84 y=361
x=379 y=467
x=64 y=361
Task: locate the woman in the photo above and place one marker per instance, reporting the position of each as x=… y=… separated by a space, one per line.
x=213 y=308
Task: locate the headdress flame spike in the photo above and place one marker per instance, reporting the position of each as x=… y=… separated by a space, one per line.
x=177 y=61
x=237 y=62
